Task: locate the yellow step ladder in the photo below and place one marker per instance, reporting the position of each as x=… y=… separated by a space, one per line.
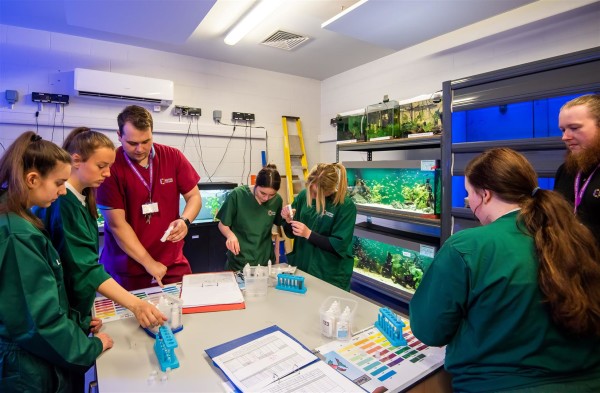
x=296 y=166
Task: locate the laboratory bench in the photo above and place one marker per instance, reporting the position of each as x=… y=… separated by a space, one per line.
x=127 y=366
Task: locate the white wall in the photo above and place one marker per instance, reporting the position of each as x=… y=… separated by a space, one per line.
x=41 y=61
x=423 y=68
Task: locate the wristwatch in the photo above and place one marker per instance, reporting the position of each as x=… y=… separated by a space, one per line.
x=187 y=222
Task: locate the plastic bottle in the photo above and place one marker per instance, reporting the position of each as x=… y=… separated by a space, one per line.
x=343 y=325
x=328 y=319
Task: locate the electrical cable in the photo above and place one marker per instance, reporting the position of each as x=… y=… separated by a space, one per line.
x=63 y=121
x=54 y=123
x=226 y=149
x=244 y=155
x=201 y=156
x=37 y=125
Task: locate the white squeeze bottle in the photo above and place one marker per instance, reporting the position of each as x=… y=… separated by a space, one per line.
x=328 y=319
x=343 y=325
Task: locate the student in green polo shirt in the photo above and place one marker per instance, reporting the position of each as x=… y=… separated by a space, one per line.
x=322 y=223
x=71 y=223
x=247 y=218
x=517 y=300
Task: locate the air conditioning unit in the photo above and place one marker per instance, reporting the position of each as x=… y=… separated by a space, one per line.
x=110 y=85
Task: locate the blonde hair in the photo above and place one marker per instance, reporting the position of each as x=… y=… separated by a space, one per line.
x=329 y=180
x=591 y=101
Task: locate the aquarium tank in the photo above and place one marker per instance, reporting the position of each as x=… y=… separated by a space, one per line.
x=213 y=196
x=393 y=265
x=349 y=127
x=382 y=121
x=422 y=116
x=409 y=187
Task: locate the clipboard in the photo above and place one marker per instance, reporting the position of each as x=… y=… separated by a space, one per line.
x=310 y=372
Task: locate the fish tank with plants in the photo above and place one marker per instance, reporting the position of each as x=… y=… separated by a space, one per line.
x=350 y=127
x=396 y=188
x=382 y=121
x=388 y=263
x=421 y=116
x=213 y=196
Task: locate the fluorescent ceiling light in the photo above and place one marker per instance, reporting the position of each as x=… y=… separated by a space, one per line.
x=253 y=18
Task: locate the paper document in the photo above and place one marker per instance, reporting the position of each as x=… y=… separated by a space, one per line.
x=210 y=289
x=316 y=378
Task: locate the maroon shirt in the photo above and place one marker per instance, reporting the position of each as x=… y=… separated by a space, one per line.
x=172 y=175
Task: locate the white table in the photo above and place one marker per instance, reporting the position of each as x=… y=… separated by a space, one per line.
x=127 y=366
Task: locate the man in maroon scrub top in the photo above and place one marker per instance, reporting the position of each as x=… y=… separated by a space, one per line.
x=140 y=202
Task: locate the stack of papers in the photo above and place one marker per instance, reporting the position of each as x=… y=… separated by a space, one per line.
x=270 y=360
x=211 y=292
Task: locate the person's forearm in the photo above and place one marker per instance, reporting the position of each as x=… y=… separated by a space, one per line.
x=128 y=241
x=192 y=207
x=287 y=229
x=112 y=290
x=321 y=241
x=225 y=230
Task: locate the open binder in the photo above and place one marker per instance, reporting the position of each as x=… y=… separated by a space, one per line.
x=271 y=360
x=207 y=292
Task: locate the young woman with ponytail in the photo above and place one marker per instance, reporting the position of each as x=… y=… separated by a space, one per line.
x=517 y=300
x=73 y=229
x=41 y=348
x=321 y=221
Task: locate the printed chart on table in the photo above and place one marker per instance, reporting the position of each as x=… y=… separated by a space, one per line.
x=108 y=311
x=374 y=364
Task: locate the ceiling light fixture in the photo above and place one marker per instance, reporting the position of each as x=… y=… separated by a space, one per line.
x=253 y=18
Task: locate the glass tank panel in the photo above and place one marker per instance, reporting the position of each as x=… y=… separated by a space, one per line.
x=421 y=117
x=349 y=128
x=410 y=187
x=390 y=263
x=382 y=121
x=529 y=119
x=213 y=196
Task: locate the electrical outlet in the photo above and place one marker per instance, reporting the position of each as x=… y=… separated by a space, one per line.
x=179 y=110
x=242 y=116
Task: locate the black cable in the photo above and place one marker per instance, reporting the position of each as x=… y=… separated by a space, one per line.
x=63 y=121
x=250 y=170
x=37 y=126
x=54 y=123
x=244 y=156
x=201 y=156
x=226 y=149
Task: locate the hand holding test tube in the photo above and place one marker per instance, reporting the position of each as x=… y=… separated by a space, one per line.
x=166 y=235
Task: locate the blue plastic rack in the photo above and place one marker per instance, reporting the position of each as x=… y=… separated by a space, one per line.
x=390 y=325
x=164 y=347
x=290 y=282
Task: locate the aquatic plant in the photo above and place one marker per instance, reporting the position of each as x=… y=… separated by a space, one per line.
x=418 y=195
x=213 y=204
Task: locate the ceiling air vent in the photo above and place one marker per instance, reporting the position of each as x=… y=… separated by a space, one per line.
x=284 y=40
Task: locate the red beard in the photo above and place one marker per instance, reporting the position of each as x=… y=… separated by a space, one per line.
x=586 y=160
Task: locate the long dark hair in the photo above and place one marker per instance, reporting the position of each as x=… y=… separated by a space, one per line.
x=268 y=177
x=569 y=259
x=85 y=142
x=29 y=152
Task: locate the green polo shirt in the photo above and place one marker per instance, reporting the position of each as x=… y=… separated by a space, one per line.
x=252 y=223
x=74 y=234
x=337 y=224
x=481 y=298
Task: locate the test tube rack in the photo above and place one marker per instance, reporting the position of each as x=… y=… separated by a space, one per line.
x=390 y=325
x=164 y=347
x=290 y=282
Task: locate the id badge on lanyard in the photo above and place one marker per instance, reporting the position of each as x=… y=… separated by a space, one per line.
x=149 y=207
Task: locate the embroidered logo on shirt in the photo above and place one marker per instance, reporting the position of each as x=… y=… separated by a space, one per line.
x=328 y=214
x=166 y=181
x=596 y=193
x=271 y=213
x=58 y=262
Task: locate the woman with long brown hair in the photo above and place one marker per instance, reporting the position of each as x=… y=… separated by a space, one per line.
x=71 y=223
x=40 y=346
x=517 y=300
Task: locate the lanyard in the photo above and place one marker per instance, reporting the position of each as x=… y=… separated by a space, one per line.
x=578 y=192
x=148 y=186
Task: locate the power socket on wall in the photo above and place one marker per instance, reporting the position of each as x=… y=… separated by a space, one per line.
x=242 y=116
